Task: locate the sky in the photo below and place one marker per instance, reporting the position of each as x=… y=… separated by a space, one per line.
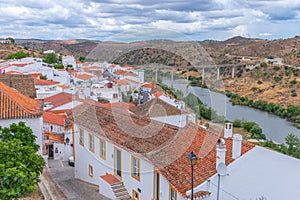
x=132 y=20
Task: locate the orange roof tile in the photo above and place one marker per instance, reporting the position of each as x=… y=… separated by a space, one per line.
x=44 y=82
x=52 y=118
x=13 y=72
x=110 y=179
x=120 y=72
x=122 y=82
x=157 y=94
x=164 y=145
x=36 y=75
x=59 y=99
x=149 y=85
x=121 y=106
x=127 y=67
x=63 y=86
x=83 y=76
x=17 y=105
x=130 y=74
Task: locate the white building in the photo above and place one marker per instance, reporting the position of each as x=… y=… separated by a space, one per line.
x=69 y=60
x=140 y=157
x=16 y=107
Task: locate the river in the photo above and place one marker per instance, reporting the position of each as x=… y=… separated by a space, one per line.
x=274 y=127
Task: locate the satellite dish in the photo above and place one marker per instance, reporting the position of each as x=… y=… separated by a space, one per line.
x=222 y=169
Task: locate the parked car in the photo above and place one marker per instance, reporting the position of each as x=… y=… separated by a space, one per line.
x=71 y=161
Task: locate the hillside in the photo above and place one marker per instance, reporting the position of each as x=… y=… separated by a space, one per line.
x=7 y=49
x=236 y=47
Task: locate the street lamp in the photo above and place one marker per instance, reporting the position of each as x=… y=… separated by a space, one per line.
x=192 y=159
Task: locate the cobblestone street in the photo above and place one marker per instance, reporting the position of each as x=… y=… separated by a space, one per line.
x=72 y=188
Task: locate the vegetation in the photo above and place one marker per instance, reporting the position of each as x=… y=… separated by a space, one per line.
x=43 y=77
x=291 y=112
x=50 y=58
x=20 y=165
x=17 y=55
x=290 y=147
x=58 y=66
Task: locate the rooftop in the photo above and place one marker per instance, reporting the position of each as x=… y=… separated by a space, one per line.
x=164 y=145
x=17 y=105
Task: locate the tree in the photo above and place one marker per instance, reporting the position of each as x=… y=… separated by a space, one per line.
x=291 y=140
x=50 y=58
x=59 y=66
x=17 y=55
x=20 y=165
x=82 y=59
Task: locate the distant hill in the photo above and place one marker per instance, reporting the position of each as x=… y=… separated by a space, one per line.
x=288 y=49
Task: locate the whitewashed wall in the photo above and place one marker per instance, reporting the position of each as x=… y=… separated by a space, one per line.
x=84 y=158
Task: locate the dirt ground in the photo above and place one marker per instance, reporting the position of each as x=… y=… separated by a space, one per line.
x=36 y=195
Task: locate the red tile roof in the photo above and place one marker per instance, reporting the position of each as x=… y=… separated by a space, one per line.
x=155 y=108
x=13 y=72
x=16 y=105
x=164 y=145
x=149 y=85
x=120 y=72
x=110 y=179
x=59 y=99
x=122 y=82
x=44 y=82
x=121 y=106
x=57 y=119
x=83 y=76
x=157 y=94
x=36 y=75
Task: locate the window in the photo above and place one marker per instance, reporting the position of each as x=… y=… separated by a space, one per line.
x=91 y=171
x=135 y=168
x=81 y=137
x=102 y=149
x=91 y=142
x=172 y=193
x=135 y=195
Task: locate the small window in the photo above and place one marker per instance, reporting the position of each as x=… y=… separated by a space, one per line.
x=102 y=149
x=135 y=195
x=91 y=142
x=91 y=171
x=135 y=168
x=81 y=137
x=172 y=193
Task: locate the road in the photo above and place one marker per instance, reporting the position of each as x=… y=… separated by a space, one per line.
x=73 y=189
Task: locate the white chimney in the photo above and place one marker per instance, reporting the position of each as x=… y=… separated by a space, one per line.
x=228 y=130
x=236 y=146
x=221 y=152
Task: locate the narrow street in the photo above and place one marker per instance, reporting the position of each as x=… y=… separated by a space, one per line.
x=73 y=189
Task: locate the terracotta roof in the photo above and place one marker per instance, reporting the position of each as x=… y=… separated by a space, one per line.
x=44 y=82
x=165 y=146
x=155 y=108
x=110 y=179
x=13 y=72
x=127 y=67
x=36 y=75
x=157 y=94
x=122 y=82
x=149 y=85
x=52 y=118
x=55 y=137
x=83 y=76
x=63 y=86
x=121 y=106
x=59 y=99
x=130 y=74
x=16 y=105
x=120 y=72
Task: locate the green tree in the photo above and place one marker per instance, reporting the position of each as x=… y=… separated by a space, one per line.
x=81 y=59
x=58 y=66
x=291 y=140
x=17 y=55
x=20 y=165
x=50 y=58
x=263 y=64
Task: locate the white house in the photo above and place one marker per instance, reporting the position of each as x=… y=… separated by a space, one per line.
x=58 y=135
x=128 y=155
x=69 y=60
x=16 y=107
x=160 y=110
x=45 y=88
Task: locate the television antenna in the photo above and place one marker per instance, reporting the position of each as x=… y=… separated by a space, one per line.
x=222 y=171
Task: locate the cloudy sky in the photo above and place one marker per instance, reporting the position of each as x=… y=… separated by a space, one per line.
x=149 y=19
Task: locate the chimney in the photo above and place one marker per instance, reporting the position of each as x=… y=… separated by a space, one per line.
x=221 y=152
x=228 y=130
x=236 y=146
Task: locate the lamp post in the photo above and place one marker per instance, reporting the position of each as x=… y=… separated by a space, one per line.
x=192 y=158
